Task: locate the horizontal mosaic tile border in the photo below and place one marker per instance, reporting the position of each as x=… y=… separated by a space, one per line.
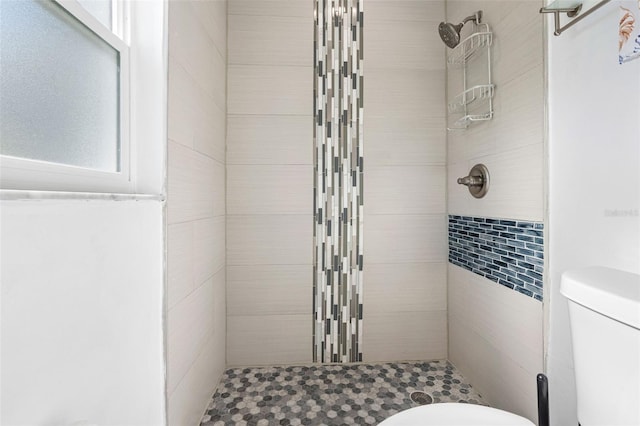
x=508 y=252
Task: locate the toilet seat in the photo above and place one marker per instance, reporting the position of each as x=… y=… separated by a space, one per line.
x=455 y=414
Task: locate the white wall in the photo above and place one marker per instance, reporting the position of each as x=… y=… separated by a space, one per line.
x=82 y=277
x=495 y=334
x=594 y=154
x=196 y=317
x=81 y=312
x=405 y=239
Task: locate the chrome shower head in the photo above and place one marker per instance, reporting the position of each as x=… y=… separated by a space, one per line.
x=450 y=34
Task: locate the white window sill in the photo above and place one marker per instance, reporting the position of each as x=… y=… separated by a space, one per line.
x=15 y=195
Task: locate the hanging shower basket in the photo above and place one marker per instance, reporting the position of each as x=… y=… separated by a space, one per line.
x=475 y=101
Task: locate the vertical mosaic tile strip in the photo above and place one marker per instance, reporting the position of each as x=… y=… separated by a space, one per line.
x=338 y=166
x=508 y=252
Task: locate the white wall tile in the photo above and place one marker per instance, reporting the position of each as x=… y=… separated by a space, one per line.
x=269 y=289
x=179 y=187
x=179 y=262
x=520 y=112
x=208 y=247
x=196 y=336
x=192 y=325
x=270 y=181
x=495 y=340
x=270 y=40
x=511 y=31
x=270 y=139
x=458 y=196
x=209 y=132
x=405 y=239
x=399 y=139
x=257 y=189
x=181 y=109
x=403 y=45
x=269 y=239
x=188 y=327
x=516 y=190
x=479 y=139
x=218 y=89
x=501 y=382
x=300 y=8
x=403 y=11
x=196 y=187
x=398 y=336
x=193 y=119
x=271 y=339
x=188 y=402
x=407 y=287
x=405 y=304
x=265 y=89
x=409 y=92
x=192 y=47
x=405 y=190
x=213 y=17
x=505 y=319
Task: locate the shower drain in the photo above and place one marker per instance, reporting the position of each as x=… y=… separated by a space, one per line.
x=421 y=398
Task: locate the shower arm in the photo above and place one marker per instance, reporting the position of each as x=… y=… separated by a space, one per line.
x=476 y=17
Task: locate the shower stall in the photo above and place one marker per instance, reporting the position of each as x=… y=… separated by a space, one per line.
x=339 y=225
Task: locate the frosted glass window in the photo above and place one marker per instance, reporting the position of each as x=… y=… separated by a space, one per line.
x=100 y=9
x=59 y=88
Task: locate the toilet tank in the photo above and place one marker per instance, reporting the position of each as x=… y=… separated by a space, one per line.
x=604 y=313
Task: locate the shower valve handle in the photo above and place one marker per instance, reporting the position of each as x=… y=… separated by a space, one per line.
x=477 y=181
x=471 y=180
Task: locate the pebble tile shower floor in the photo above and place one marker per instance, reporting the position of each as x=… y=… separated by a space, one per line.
x=360 y=394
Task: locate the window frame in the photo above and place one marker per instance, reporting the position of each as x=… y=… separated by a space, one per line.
x=27 y=174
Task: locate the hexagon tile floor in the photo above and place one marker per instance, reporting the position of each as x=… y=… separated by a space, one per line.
x=360 y=394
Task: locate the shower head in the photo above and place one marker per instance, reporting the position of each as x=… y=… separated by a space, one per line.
x=450 y=33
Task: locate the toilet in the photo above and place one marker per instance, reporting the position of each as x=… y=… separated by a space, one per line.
x=604 y=314
x=454 y=413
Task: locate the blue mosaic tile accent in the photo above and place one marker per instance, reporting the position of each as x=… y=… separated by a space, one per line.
x=508 y=252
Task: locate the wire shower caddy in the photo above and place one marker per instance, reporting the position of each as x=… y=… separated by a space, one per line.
x=474 y=102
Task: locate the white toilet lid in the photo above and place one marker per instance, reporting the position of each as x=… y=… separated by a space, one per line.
x=455 y=414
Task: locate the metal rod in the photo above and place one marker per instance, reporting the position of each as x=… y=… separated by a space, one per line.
x=581 y=17
x=570 y=11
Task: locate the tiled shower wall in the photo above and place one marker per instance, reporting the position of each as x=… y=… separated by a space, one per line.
x=495 y=332
x=270 y=171
x=270 y=182
x=195 y=206
x=405 y=242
